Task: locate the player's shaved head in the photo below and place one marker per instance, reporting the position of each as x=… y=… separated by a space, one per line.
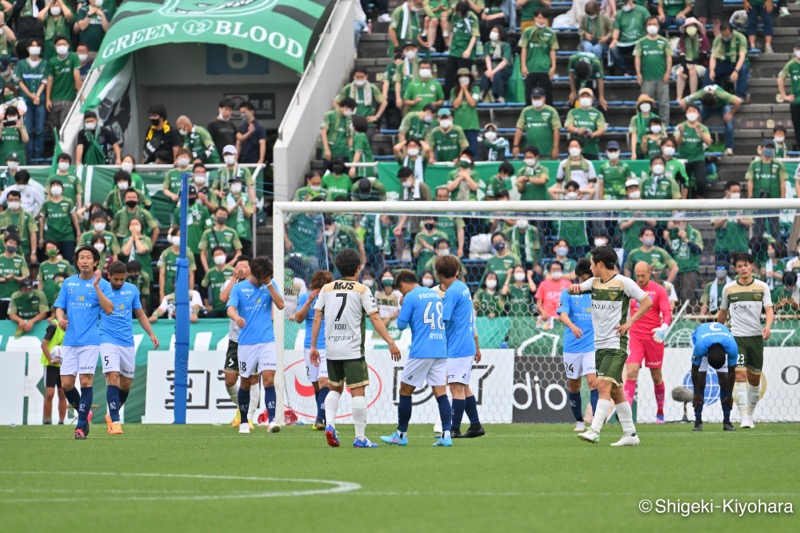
x=642 y=273
x=405 y=281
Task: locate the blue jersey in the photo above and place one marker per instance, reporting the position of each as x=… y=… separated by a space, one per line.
x=459 y=321
x=310 y=323
x=79 y=301
x=713 y=333
x=254 y=304
x=117 y=328
x=422 y=309
x=579 y=309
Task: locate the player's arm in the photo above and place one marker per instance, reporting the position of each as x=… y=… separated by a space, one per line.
x=105 y=304
x=769 y=310
x=277 y=299
x=380 y=328
x=233 y=314
x=145 y=323
x=477 y=348
x=722 y=314
x=301 y=313
x=579 y=288
x=404 y=315
x=315 y=327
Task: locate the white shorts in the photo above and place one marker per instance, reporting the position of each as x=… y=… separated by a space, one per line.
x=459 y=369
x=577 y=364
x=79 y=360
x=701 y=71
x=313 y=373
x=704 y=366
x=418 y=371
x=120 y=359
x=257 y=357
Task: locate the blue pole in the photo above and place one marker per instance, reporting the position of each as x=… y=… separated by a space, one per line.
x=182 y=312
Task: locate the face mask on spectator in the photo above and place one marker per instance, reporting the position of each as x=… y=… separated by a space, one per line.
x=427 y=119
x=90 y=126
x=655 y=128
x=522 y=224
x=11 y=249
x=219 y=260
x=222 y=220
x=155 y=121
x=427 y=282
x=62 y=50
x=413 y=152
x=315 y=188
x=586 y=102
x=56 y=191
x=572 y=195
x=561 y=251
x=797 y=54
x=424 y=73
x=575 y=151
x=408 y=184
x=500 y=246
x=127 y=167
x=652 y=29
x=692 y=117
x=444 y=252
x=199 y=179
x=463 y=80
x=52 y=253
x=537 y=103
x=13 y=205
x=645 y=107
x=55 y=11
x=328 y=232
x=669 y=151
x=768 y=152
x=360 y=83
x=464 y=162
x=648 y=241
x=175 y=240
x=491 y=283
x=99 y=246
x=369 y=282
x=613 y=156
x=131 y=203
x=771 y=254
x=490 y=135
x=236 y=188
x=183 y=162
x=430 y=226
x=735 y=195
x=494 y=36
x=445 y=124
x=627 y=7
x=779 y=140
x=387 y=282
x=63 y=166
x=600 y=242
x=83 y=58
x=411 y=54
x=722 y=274
x=530 y=161
x=122 y=186
x=519 y=276
x=13 y=165
x=98 y=3
x=99 y=226
x=556 y=275
x=691 y=31
x=230 y=159
x=658 y=169
x=541 y=25
x=634 y=195
x=35 y=50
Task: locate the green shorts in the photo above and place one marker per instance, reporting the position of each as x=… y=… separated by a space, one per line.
x=610 y=364
x=751 y=353
x=352 y=371
x=232 y=357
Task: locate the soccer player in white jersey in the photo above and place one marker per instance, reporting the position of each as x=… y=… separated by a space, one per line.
x=345 y=305
x=241 y=272
x=422 y=309
x=746 y=298
x=317 y=374
x=611 y=295
x=78 y=306
x=250 y=306
x=117 y=351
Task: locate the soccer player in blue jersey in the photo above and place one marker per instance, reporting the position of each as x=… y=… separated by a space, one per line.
x=250 y=306
x=117 y=351
x=78 y=306
x=712 y=342
x=318 y=375
x=462 y=346
x=422 y=309
x=575 y=312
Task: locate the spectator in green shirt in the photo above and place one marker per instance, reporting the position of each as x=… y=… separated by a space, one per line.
x=198 y=141
x=653 y=63
x=172 y=179
x=528 y=9
x=59 y=222
x=391 y=88
x=714 y=100
x=464 y=99
x=673 y=12
x=415 y=125
x=488 y=302
x=48 y=269
x=213 y=281
x=423 y=91
x=168 y=264
x=32 y=75
x=766 y=178
x=491 y=146
x=657 y=186
x=595 y=31
x=729 y=60
x=366 y=96
x=533 y=177
x=425 y=243
x=587 y=123
x=335 y=131
x=27 y=306
x=774 y=266
x=405 y=25
x=446 y=141
x=91 y=24
x=786 y=297
x=692 y=137
x=361 y=150
x=541 y=126
x=63 y=81
x=791 y=70
x=338 y=237
x=518 y=291
x=538 y=46
x=585 y=70
x=465 y=32
x=503 y=262
x=462 y=183
x=498 y=63
x=685 y=244
x=336 y=182
x=731 y=228
x=651 y=142
x=71 y=183
x=13 y=269
x=613 y=174
x=675 y=167
x=650 y=254
x=629 y=27
x=137 y=247
x=312 y=190
x=221 y=235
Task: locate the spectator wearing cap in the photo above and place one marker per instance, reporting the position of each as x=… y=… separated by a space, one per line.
x=653 y=62
x=23 y=222
x=587 y=123
x=446 y=141
x=162 y=140
x=96 y=145
x=361 y=151
x=613 y=175
x=59 y=223
x=766 y=178
x=538 y=46
x=13 y=136
x=464 y=36
x=221 y=129
x=463 y=182
x=712 y=292
x=791 y=70
x=251 y=140
x=685 y=244
x=714 y=100
x=366 y=96
x=629 y=27
x=541 y=126
x=692 y=58
x=639 y=125
x=13 y=269
x=335 y=131
x=92 y=21
x=368 y=190
x=595 y=30
x=464 y=99
x=339 y=236
x=168 y=264
x=50 y=268
x=491 y=146
x=423 y=90
x=498 y=63
x=27 y=306
x=731 y=228
x=729 y=60
x=585 y=70
x=223 y=176
x=198 y=141
x=692 y=136
x=240 y=212
x=786 y=296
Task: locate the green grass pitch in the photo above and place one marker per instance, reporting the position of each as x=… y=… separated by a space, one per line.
x=516 y=478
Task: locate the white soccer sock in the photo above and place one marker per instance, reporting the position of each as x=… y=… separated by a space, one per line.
x=255 y=396
x=360 y=416
x=753 y=392
x=740 y=396
x=603 y=407
x=233 y=392
x=331 y=407
x=625 y=416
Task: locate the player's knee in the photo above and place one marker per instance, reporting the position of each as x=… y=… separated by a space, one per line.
x=230 y=379
x=754 y=379
x=244 y=383
x=592 y=381
x=574 y=385
x=112 y=379
x=632 y=373
x=323 y=383
x=86 y=380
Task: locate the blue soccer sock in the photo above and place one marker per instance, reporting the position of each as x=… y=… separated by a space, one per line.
x=85 y=405
x=471 y=407
x=112 y=399
x=321 y=395
x=244 y=404
x=458 y=412
x=403 y=414
x=593 y=396
x=725 y=397
x=74 y=398
x=270 y=398
x=575 y=405
x=123 y=395
x=445 y=413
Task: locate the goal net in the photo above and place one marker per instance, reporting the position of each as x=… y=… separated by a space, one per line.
x=517 y=256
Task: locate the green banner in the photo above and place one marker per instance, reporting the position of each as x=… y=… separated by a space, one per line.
x=282 y=30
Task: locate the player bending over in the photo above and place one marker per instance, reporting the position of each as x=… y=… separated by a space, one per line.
x=317 y=374
x=117 y=350
x=647 y=338
x=250 y=306
x=78 y=307
x=427 y=361
x=712 y=341
x=348 y=304
x=462 y=346
x=575 y=312
x=611 y=296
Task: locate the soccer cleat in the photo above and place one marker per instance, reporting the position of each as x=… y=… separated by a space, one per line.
x=79 y=434
x=395 y=438
x=474 y=432
x=364 y=443
x=108 y=423
x=115 y=429
x=444 y=442
x=333 y=439
x=456 y=433
x=698 y=426
x=590 y=436
x=319 y=425
x=244 y=429
x=580 y=427
x=627 y=440
x=437 y=428
x=660 y=419
x=727 y=426
x=273 y=428
x=237 y=419
x=250 y=424
x=747 y=422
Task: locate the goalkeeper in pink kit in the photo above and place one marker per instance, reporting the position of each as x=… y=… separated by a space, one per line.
x=647 y=338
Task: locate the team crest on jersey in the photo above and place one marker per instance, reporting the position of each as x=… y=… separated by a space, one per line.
x=613 y=295
x=258 y=301
x=122 y=306
x=81 y=298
